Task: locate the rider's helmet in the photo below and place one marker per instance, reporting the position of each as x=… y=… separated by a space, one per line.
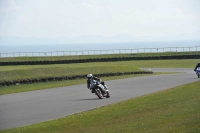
x=89 y=76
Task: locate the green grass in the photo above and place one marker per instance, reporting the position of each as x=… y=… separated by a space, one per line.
x=49 y=58
x=20 y=72
x=175 y=110
x=37 y=71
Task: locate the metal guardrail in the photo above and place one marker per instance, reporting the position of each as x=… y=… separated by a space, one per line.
x=101 y=52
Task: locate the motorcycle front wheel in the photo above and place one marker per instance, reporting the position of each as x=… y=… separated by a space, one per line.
x=98 y=93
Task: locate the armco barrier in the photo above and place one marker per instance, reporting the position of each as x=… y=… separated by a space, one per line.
x=51 y=79
x=99 y=60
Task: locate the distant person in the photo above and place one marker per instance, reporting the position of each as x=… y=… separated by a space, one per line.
x=198 y=65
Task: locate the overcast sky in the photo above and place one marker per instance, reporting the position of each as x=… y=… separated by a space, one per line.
x=107 y=18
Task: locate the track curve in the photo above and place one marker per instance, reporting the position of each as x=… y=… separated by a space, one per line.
x=27 y=108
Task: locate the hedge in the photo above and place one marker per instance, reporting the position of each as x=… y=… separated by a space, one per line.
x=99 y=60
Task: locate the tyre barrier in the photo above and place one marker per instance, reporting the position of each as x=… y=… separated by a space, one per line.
x=99 y=60
x=63 y=78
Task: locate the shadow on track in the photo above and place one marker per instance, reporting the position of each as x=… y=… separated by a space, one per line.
x=87 y=99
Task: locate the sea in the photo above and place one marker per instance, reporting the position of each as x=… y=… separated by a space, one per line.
x=97 y=48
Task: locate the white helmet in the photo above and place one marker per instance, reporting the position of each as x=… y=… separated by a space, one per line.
x=89 y=76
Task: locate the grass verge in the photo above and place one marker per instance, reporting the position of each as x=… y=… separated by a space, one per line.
x=175 y=110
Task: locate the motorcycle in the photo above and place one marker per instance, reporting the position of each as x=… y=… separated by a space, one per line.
x=99 y=89
x=198 y=72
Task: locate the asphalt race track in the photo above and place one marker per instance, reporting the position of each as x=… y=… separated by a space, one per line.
x=31 y=107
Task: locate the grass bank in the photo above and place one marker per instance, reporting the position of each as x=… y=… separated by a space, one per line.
x=31 y=72
x=39 y=71
x=175 y=110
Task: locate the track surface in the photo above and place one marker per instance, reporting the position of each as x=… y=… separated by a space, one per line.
x=27 y=108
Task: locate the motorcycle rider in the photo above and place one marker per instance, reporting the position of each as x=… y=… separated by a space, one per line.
x=91 y=77
x=198 y=65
